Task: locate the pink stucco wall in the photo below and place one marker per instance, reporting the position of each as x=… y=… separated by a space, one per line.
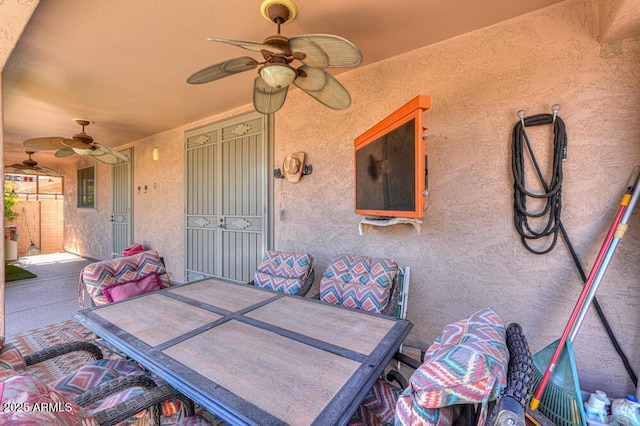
x=467 y=255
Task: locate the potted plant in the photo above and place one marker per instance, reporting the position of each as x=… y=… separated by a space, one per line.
x=10 y=234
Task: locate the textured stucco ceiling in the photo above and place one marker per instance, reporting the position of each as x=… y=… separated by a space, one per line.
x=123 y=64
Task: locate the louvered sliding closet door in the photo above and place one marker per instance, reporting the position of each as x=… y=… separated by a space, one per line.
x=226 y=198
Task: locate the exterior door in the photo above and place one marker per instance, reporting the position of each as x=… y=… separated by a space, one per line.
x=121 y=218
x=226 y=198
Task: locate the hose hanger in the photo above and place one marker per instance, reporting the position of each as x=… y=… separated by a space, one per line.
x=545 y=220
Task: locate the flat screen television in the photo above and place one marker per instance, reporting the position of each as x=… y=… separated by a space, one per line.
x=390 y=164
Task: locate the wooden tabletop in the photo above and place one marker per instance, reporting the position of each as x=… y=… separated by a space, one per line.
x=253 y=356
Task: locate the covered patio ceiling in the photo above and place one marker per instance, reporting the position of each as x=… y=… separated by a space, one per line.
x=123 y=64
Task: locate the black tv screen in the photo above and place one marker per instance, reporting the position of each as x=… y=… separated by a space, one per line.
x=390 y=164
x=385 y=171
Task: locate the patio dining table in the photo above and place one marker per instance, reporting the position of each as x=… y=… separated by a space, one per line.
x=253 y=356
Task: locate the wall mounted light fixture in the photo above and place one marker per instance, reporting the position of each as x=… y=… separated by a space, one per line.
x=155 y=153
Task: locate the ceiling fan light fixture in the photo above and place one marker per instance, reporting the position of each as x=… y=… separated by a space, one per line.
x=278 y=75
x=82 y=151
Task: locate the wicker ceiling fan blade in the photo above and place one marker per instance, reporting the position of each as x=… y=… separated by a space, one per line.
x=43 y=144
x=107 y=155
x=64 y=152
x=249 y=45
x=45 y=171
x=332 y=94
x=268 y=99
x=222 y=69
x=311 y=79
x=326 y=50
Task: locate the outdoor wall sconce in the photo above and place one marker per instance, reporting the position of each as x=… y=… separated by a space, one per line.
x=293 y=168
x=155 y=154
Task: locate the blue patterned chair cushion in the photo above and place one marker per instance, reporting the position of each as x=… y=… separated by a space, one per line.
x=467 y=363
x=359 y=282
x=91 y=375
x=284 y=272
x=98 y=275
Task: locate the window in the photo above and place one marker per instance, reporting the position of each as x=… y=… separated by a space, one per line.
x=87 y=187
x=35 y=187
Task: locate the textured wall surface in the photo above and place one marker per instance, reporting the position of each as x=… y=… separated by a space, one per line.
x=87 y=231
x=14 y=15
x=468 y=255
x=158 y=213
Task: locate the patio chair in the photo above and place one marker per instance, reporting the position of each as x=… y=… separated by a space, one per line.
x=103 y=392
x=115 y=279
x=290 y=273
x=12 y=359
x=372 y=284
x=111 y=390
x=458 y=379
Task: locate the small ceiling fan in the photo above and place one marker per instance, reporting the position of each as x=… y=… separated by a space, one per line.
x=276 y=72
x=81 y=143
x=30 y=167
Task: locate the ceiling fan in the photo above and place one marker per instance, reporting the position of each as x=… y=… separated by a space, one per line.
x=30 y=167
x=276 y=72
x=81 y=143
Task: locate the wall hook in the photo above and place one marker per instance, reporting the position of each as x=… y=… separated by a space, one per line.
x=306 y=170
x=521 y=115
x=555 y=108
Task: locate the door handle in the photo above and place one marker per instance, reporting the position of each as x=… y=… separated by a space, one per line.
x=221 y=223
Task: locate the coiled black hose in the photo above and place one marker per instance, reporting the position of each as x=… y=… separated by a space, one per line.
x=552 y=191
x=553 y=205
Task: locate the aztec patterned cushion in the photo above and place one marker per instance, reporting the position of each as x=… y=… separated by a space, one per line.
x=96 y=276
x=378 y=406
x=283 y=272
x=91 y=375
x=359 y=282
x=5 y=373
x=11 y=358
x=26 y=401
x=193 y=421
x=467 y=363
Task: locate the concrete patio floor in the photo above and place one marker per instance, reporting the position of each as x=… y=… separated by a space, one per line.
x=50 y=298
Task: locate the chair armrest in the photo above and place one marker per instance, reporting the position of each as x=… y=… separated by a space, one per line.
x=61 y=349
x=148 y=400
x=111 y=387
x=394 y=375
x=411 y=362
x=308 y=282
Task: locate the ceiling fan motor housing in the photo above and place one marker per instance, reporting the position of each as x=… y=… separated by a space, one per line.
x=279 y=11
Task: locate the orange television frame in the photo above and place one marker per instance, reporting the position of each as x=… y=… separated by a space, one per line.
x=385 y=178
